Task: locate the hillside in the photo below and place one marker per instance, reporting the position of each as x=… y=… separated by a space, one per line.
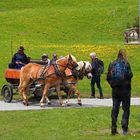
x=63 y=22
x=74 y=26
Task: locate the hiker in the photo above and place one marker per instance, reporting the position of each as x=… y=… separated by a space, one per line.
x=119 y=77
x=19 y=59
x=97 y=70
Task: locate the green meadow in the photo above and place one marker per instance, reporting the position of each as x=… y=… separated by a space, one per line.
x=75 y=27
x=64 y=27
x=62 y=124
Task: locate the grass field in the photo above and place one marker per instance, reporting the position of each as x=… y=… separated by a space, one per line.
x=77 y=27
x=68 y=26
x=62 y=124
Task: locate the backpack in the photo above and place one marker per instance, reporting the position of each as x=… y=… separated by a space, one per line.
x=119 y=70
x=100 y=67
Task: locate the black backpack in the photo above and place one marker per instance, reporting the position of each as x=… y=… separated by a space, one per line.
x=100 y=67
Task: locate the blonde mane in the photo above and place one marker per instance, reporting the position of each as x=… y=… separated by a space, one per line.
x=73 y=58
x=87 y=65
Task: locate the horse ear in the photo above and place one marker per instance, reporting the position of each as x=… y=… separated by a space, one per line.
x=70 y=56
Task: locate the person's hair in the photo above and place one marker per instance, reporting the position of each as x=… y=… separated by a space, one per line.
x=21 y=48
x=122 y=54
x=93 y=54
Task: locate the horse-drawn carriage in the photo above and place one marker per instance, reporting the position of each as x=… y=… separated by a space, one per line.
x=23 y=80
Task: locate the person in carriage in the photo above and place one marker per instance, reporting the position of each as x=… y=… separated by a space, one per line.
x=19 y=59
x=54 y=58
x=45 y=59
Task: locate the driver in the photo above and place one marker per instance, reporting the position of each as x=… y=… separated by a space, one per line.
x=19 y=59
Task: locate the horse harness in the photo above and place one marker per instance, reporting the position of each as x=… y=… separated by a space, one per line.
x=44 y=71
x=57 y=71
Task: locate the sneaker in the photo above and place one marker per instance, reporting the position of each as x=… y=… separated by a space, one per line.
x=101 y=97
x=92 y=96
x=114 y=132
x=125 y=132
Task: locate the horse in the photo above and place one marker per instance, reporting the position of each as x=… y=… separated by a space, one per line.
x=50 y=77
x=71 y=80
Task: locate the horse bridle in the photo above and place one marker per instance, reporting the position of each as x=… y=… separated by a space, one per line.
x=59 y=73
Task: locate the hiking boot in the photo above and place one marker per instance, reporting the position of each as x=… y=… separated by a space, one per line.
x=125 y=132
x=114 y=131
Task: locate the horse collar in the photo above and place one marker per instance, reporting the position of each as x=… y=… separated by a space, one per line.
x=58 y=72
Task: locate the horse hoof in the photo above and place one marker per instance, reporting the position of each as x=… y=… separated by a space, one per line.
x=68 y=104
x=42 y=105
x=25 y=103
x=80 y=104
x=49 y=103
x=63 y=105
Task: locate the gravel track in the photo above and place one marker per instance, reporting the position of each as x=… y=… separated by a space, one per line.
x=86 y=102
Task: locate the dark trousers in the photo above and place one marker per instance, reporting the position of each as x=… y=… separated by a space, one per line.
x=120 y=95
x=96 y=79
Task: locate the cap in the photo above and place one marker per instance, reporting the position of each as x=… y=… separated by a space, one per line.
x=45 y=56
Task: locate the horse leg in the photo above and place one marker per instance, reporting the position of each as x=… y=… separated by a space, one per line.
x=67 y=91
x=78 y=95
x=59 y=95
x=72 y=90
x=68 y=97
x=78 y=98
x=44 y=96
x=68 y=100
x=23 y=93
x=25 y=101
x=47 y=99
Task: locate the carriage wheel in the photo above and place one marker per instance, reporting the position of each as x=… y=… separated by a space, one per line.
x=7 y=93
